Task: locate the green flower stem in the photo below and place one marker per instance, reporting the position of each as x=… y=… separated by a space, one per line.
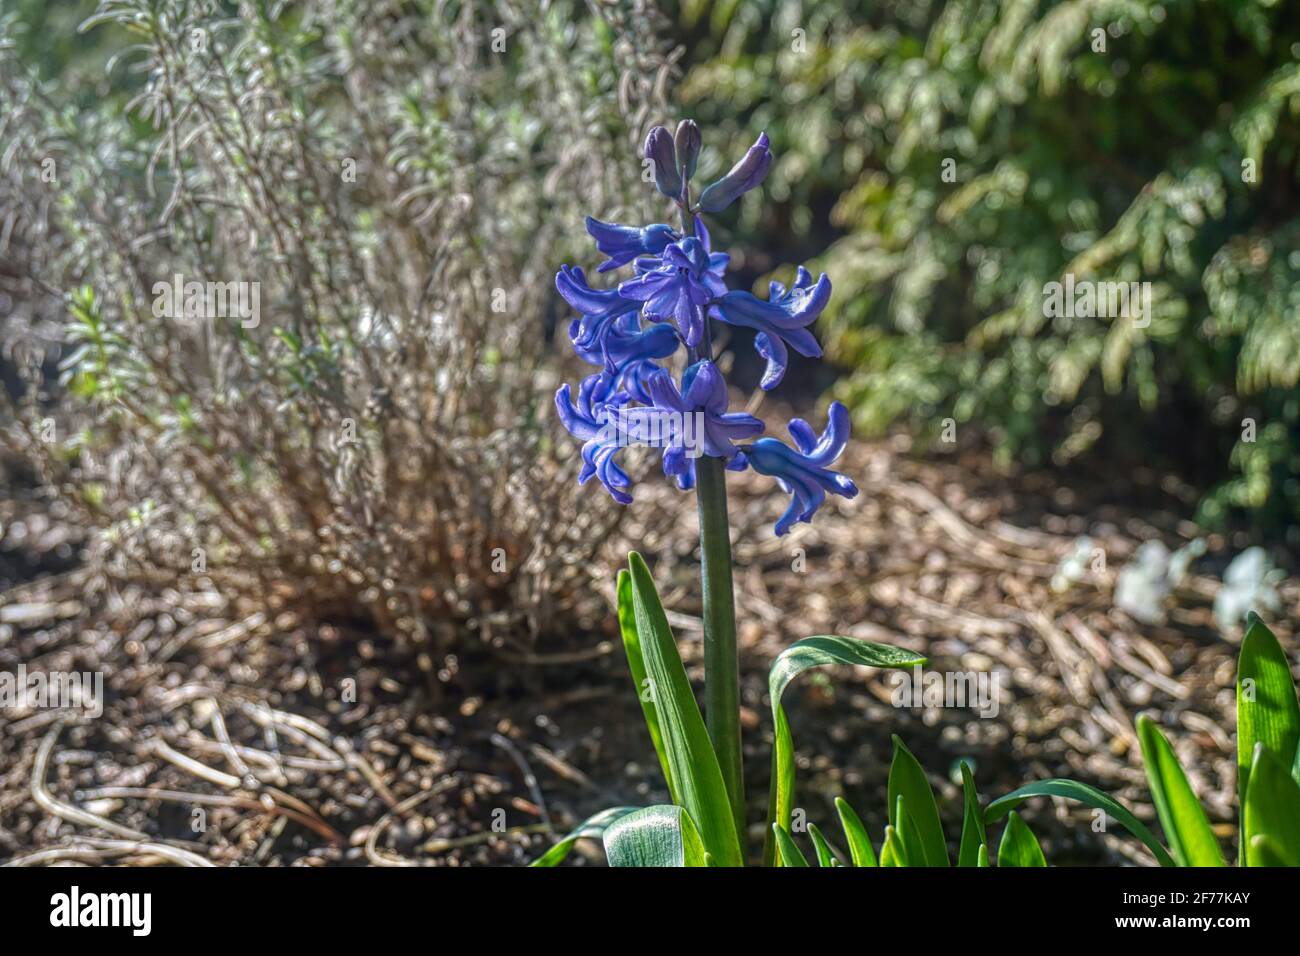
x=721 y=665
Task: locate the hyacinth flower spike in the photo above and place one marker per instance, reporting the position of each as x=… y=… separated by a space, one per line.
x=677 y=288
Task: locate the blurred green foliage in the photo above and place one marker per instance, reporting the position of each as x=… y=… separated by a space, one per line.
x=1118 y=141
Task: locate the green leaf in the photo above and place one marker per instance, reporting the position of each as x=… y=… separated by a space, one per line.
x=655 y=836
x=1271 y=810
x=1266 y=852
x=891 y=851
x=908 y=834
x=907 y=779
x=1191 y=841
x=1019 y=846
x=693 y=765
x=1073 y=790
x=636 y=662
x=794 y=660
x=824 y=855
x=973 y=833
x=855 y=834
x=790 y=854
x=982 y=858
x=1267 y=712
x=592 y=828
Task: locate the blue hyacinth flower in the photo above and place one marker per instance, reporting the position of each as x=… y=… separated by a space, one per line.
x=600 y=308
x=593 y=421
x=622 y=341
x=713 y=430
x=624 y=243
x=780 y=321
x=677 y=286
x=804 y=474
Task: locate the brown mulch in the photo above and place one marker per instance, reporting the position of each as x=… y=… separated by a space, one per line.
x=231 y=737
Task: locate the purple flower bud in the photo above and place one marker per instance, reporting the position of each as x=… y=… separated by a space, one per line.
x=660 y=151
x=687 y=140
x=744 y=176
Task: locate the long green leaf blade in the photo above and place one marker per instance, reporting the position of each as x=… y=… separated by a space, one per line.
x=693 y=765
x=1191 y=841
x=907 y=779
x=654 y=837
x=908 y=835
x=1272 y=809
x=790 y=855
x=1073 y=790
x=592 y=828
x=636 y=663
x=973 y=834
x=1267 y=711
x=794 y=660
x=825 y=857
x=1019 y=846
x=1265 y=852
x=855 y=834
x=891 y=851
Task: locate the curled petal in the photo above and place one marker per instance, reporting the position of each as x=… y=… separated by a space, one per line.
x=590 y=419
x=781 y=321
x=601 y=311
x=804 y=474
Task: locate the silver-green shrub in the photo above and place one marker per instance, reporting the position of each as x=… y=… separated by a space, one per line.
x=397 y=180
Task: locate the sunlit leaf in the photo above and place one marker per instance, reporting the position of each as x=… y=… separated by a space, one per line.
x=790 y=854
x=1271 y=810
x=973 y=834
x=907 y=780
x=824 y=855
x=794 y=660
x=891 y=851
x=636 y=662
x=1191 y=841
x=654 y=836
x=693 y=765
x=855 y=834
x=1267 y=711
x=593 y=827
x=1073 y=790
x=1019 y=846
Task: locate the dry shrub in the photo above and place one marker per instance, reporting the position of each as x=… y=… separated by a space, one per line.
x=400 y=181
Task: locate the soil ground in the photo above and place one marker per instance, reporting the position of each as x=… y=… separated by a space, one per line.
x=233 y=737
